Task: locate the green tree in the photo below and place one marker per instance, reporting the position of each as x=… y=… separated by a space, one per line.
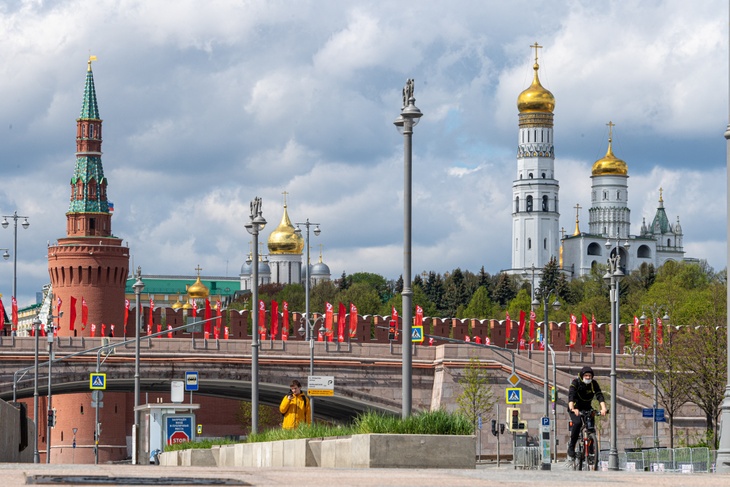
x=505 y=289
x=269 y=417
x=377 y=282
x=455 y=293
x=476 y=397
x=364 y=296
x=480 y=306
x=321 y=293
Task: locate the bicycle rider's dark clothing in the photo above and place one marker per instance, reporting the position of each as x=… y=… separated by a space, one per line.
x=582 y=396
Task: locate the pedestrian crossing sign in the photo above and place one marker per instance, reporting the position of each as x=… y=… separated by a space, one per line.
x=417 y=334
x=514 y=395
x=97 y=381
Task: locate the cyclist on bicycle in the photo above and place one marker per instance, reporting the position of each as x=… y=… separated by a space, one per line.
x=581 y=393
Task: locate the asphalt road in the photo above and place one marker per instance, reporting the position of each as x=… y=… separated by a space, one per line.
x=15 y=474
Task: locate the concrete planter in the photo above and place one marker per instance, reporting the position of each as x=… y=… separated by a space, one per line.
x=358 y=451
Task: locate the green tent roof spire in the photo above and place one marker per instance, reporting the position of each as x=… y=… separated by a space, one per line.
x=89 y=109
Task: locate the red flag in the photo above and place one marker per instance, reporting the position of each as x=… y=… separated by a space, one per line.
x=72 y=319
x=169 y=332
x=430 y=341
x=262 y=320
x=93 y=330
x=126 y=314
x=195 y=309
x=583 y=329
x=103 y=330
x=218 y=319
x=419 y=316
x=353 y=320
x=636 y=338
x=2 y=314
x=532 y=327
x=151 y=320
x=594 y=342
x=274 y=319
x=207 y=317
x=43 y=329
x=477 y=340
x=659 y=331
x=225 y=333
x=573 y=330
x=394 y=317
x=341 y=322
x=285 y=321
x=487 y=341
x=647 y=333
x=59 y=302
x=508 y=326
x=467 y=339
x=328 y=318
x=85 y=314
x=14 y=312
x=521 y=330
x=111 y=327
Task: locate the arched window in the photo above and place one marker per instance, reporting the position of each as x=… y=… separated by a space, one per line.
x=91 y=131
x=594 y=249
x=529 y=175
x=669 y=242
x=517 y=204
x=545 y=203
x=644 y=252
x=529 y=203
x=544 y=244
x=543 y=175
x=529 y=243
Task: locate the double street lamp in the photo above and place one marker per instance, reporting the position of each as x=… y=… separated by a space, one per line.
x=546 y=390
x=25 y=225
x=255 y=225
x=655 y=312
x=409 y=117
x=613 y=277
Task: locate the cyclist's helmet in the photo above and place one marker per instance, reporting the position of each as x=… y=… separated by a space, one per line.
x=586 y=370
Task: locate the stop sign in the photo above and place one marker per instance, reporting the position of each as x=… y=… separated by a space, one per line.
x=178 y=437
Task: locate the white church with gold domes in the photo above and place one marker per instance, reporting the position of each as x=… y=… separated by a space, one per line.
x=536 y=211
x=284 y=262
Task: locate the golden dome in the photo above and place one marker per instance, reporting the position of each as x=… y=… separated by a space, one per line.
x=536 y=98
x=610 y=165
x=177 y=305
x=284 y=240
x=198 y=290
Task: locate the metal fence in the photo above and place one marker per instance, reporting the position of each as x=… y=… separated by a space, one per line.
x=526 y=457
x=683 y=460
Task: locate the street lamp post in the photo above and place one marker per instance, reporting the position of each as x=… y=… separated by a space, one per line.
x=5 y=224
x=655 y=311
x=409 y=117
x=254 y=226
x=546 y=389
x=36 y=332
x=723 y=450
x=613 y=277
x=138 y=287
x=50 y=419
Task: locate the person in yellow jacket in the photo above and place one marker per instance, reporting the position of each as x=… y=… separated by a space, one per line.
x=295 y=407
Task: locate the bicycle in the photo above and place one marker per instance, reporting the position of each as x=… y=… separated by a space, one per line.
x=587 y=448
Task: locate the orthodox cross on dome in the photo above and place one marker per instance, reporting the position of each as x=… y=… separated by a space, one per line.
x=285 y=193
x=198 y=269
x=611 y=125
x=577 y=214
x=562 y=233
x=535 y=46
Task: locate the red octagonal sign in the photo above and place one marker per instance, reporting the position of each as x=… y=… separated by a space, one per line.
x=178 y=437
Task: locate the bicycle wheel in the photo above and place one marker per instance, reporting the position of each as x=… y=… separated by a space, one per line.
x=580 y=454
x=592 y=452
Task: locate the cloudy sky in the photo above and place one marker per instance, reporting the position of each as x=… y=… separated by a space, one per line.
x=209 y=104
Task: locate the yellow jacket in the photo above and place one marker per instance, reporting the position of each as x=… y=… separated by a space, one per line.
x=295 y=410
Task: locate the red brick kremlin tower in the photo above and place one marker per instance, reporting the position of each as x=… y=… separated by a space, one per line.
x=89 y=264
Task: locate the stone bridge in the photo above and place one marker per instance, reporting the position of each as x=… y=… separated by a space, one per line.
x=367 y=375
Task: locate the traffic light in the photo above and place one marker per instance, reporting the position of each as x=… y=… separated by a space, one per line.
x=495 y=432
x=514 y=422
x=501 y=428
x=392 y=335
x=52 y=418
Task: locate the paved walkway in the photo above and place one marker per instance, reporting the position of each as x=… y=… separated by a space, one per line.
x=14 y=474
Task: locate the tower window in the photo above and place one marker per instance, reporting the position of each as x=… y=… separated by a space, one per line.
x=529 y=175
x=91 y=131
x=529 y=243
x=543 y=175
x=618 y=195
x=517 y=204
x=529 y=203
x=544 y=244
x=545 y=203
x=605 y=195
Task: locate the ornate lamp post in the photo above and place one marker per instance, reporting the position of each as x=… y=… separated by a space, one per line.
x=613 y=277
x=36 y=332
x=138 y=287
x=655 y=311
x=254 y=226
x=409 y=117
x=546 y=389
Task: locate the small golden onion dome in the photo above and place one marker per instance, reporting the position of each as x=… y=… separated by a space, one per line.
x=177 y=305
x=198 y=290
x=610 y=165
x=284 y=239
x=536 y=98
x=187 y=306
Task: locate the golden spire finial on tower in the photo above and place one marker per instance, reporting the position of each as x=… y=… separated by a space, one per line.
x=91 y=58
x=611 y=125
x=577 y=213
x=285 y=193
x=661 y=197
